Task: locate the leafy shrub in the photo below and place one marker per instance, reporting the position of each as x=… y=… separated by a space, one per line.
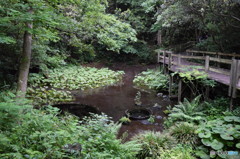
x=221 y=134
x=152 y=79
x=214 y=109
x=186 y=111
x=153 y=142
x=185 y=133
x=44 y=134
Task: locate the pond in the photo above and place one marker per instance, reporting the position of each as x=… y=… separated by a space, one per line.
x=115 y=100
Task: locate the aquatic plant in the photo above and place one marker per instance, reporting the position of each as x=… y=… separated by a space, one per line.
x=151 y=119
x=124 y=120
x=53 y=87
x=137 y=98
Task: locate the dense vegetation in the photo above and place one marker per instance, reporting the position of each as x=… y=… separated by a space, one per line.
x=30 y=133
x=44 y=45
x=152 y=79
x=55 y=86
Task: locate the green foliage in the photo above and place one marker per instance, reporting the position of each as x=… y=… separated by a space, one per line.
x=152 y=143
x=151 y=119
x=45 y=95
x=178 y=152
x=124 y=120
x=45 y=134
x=192 y=73
x=186 y=111
x=185 y=133
x=221 y=134
x=11 y=109
x=52 y=89
x=152 y=79
x=215 y=109
x=78 y=77
x=137 y=99
x=200 y=21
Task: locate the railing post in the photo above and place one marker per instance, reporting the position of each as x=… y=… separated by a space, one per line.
x=164 y=62
x=218 y=63
x=234 y=78
x=180 y=90
x=158 y=56
x=179 y=60
x=169 y=61
x=207 y=59
x=170 y=85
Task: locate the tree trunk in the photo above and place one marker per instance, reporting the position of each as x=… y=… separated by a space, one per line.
x=25 y=63
x=159 y=38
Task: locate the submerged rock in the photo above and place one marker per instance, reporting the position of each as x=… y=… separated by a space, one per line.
x=156 y=105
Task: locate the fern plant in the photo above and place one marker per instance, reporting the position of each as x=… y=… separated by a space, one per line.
x=187 y=111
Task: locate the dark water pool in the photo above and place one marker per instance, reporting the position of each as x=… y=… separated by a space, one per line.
x=115 y=100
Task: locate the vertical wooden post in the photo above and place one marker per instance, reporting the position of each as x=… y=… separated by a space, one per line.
x=231 y=77
x=233 y=81
x=179 y=90
x=164 y=62
x=179 y=60
x=236 y=78
x=169 y=61
x=170 y=85
x=207 y=58
x=218 y=63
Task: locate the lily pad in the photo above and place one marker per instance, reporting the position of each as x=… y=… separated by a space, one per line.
x=206 y=142
x=216 y=145
x=238 y=145
x=205 y=134
x=226 y=137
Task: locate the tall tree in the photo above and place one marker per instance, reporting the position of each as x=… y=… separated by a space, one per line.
x=25 y=60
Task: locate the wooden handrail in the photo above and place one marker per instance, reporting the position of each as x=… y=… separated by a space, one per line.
x=213 y=53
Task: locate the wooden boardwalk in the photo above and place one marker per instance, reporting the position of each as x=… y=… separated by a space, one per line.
x=210 y=62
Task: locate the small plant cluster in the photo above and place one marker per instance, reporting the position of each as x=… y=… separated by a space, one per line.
x=161 y=146
x=152 y=79
x=52 y=87
x=205 y=127
x=45 y=134
x=137 y=99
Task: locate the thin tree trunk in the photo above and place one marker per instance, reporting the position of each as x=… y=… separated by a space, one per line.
x=25 y=62
x=159 y=38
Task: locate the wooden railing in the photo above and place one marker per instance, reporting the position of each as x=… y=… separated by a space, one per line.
x=167 y=57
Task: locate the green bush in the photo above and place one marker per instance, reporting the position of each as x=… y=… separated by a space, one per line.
x=185 y=133
x=214 y=109
x=186 y=111
x=152 y=79
x=152 y=143
x=44 y=134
